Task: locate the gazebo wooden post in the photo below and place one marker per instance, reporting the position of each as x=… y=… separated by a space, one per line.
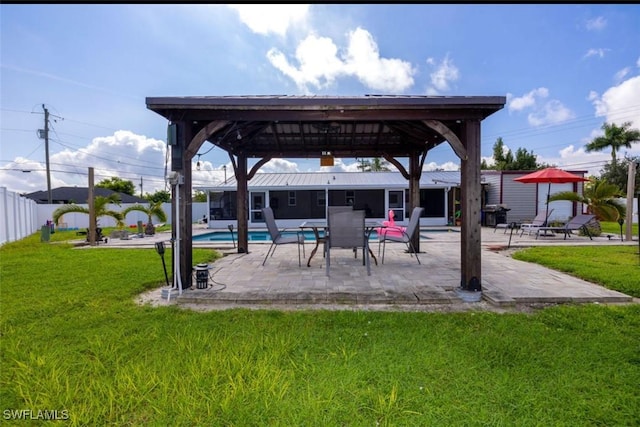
x=471 y=192
x=242 y=201
x=414 y=193
x=181 y=163
x=186 y=230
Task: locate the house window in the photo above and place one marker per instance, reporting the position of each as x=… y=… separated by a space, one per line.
x=350 y=197
x=292 y=198
x=321 y=199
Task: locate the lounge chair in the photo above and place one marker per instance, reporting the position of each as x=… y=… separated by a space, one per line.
x=576 y=223
x=277 y=236
x=540 y=220
x=403 y=235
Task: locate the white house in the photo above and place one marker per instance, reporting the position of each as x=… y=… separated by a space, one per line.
x=295 y=197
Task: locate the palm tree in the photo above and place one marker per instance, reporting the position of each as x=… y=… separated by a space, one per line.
x=100 y=207
x=600 y=198
x=615 y=137
x=375 y=165
x=154 y=209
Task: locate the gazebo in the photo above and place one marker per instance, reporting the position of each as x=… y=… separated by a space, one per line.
x=386 y=126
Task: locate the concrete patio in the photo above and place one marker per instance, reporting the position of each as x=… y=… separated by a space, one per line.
x=240 y=280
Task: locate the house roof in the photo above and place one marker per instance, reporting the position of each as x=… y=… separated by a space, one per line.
x=78 y=195
x=340 y=180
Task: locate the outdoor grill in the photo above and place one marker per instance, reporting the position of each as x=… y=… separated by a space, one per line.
x=495 y=214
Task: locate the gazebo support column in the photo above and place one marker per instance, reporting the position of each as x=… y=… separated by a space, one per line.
x=181 y=163
x=186 y=230
x=414 y=193
x=242 y=200
x=471 y=191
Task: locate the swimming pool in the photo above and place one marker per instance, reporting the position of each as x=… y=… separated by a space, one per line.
x=263 y=235
x=255 y=236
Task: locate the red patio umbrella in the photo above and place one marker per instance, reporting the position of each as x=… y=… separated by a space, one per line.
x=550 y=176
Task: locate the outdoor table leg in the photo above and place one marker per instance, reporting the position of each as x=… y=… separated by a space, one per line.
x=512 y=226
x=369 y=231
x=315 y=249
x=372 y=256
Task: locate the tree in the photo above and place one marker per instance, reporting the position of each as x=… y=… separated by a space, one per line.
x=200 y=196
x=154 y=209
x=100 y=206
x=118 y=184
x=618 y=173
x=504 y=159
x=600 y=197
x=615 y=137
x=159 y=196
x=375 y=165
x=524 y=161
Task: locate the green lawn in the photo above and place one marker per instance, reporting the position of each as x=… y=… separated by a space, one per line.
x=73 y=339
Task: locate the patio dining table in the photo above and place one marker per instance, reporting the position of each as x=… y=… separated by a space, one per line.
x=317 y=225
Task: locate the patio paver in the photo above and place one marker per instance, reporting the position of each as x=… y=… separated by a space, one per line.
x=239 y=280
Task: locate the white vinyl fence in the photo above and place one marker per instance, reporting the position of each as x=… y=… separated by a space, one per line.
x=19 y=216
x=81 y=220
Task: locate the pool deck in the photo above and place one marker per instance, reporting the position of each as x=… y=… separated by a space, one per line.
x=240 y=280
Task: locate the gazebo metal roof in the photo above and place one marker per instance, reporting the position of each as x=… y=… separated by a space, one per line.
x=308 y=126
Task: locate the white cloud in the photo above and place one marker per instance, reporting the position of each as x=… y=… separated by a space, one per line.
x=549 y=112
x=596 y=52
x=208 y=175
x=620 y=75
x=527 y=100
x=445 y=73
x=320 y=64
x=26 y=176
x=552 y=112
x=619 y=103
x=279 y=166
x=596 y=24
x=573 y=158
x=447 y=166
x=123 y=154
x=272 y=18
x=363 y=61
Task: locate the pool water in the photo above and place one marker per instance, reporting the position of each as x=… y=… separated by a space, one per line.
x=263 y=236
x=255 y=236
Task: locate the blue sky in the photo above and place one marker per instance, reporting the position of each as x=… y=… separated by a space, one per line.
x=565 y=70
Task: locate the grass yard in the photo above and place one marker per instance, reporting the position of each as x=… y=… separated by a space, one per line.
x=73 y=340
x=614 y=267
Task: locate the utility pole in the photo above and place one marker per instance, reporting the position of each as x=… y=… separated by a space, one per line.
x=92 y=210
x=631 y=181
x=141 y=187
x=46 y=149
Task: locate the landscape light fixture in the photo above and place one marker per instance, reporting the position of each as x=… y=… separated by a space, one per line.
x=621 y=222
